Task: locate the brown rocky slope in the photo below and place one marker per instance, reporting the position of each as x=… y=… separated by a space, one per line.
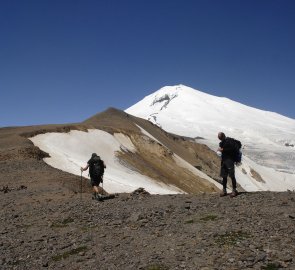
x=53 y=228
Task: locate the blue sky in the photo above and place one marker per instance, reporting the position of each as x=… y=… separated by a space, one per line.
x=62 y=61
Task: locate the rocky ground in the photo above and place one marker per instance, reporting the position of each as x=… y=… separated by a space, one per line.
x=58 y=229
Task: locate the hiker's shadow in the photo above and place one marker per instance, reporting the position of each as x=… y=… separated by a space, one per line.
x=244 y=192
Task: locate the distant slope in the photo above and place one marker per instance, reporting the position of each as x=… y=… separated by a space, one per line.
x=133 y=148
x=22 y=163
x=112 y=119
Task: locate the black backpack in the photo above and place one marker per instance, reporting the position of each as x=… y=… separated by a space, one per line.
x=97 y=167
x=236 y=149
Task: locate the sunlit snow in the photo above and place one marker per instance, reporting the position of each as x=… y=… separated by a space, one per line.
x=267 y=137
x=70 y=151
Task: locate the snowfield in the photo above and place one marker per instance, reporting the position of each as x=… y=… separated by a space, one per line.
x=267 y=137
x=71 y=151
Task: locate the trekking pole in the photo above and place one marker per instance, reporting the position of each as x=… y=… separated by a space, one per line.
x=81 y=187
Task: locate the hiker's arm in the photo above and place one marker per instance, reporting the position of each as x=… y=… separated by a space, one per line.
x=84 y=169
x=220 y=148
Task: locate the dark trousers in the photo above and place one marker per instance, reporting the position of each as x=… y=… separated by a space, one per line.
x=228 y=169
x=95 y=180
x=234 y=183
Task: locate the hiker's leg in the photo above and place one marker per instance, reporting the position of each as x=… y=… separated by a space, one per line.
x=223 y=174
x=95 y=192
x=95 y=189
x=224 y=183
x=231 y=172
x=234 y=183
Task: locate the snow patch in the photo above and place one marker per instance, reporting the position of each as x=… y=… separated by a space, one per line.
x=70 y=151
x=181 y=162
x=126 y=143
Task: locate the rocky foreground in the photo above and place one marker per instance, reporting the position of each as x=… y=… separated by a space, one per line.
x=142 y=231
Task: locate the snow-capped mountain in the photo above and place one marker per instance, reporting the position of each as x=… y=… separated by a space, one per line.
x=268 y=138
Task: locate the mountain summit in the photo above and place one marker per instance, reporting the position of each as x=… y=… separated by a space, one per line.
x=186 y=111
x=268 y=138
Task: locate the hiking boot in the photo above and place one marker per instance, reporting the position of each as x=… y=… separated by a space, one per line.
x=99 y=197
x=223 y=194
x=234 y=194
x=95 y=196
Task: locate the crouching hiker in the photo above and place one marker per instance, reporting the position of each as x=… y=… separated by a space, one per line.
x=96 y=170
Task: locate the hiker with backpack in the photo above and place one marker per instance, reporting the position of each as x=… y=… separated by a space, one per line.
x=230 y=154
x=96 y=170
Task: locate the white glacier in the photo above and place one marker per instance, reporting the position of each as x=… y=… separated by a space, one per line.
x=267 y=137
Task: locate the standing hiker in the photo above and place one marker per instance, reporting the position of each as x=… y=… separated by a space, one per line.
x=96 y=170
x=229 y=149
